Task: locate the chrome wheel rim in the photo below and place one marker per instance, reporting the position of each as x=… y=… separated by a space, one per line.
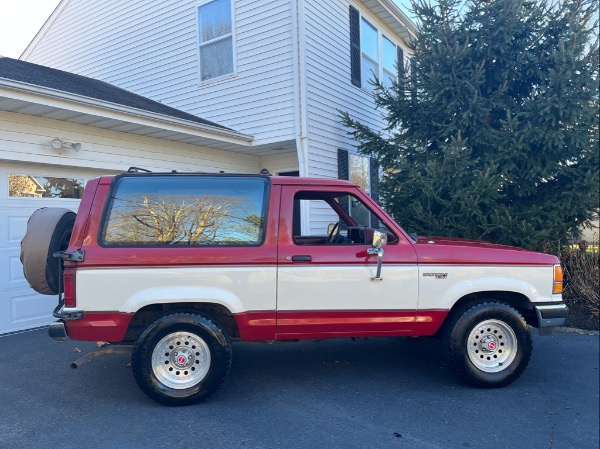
x=492 y=346
x=180 y=360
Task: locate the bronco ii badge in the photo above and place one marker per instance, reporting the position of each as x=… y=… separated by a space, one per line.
x=436 y=275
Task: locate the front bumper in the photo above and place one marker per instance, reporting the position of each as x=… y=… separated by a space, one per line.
x=551 y=315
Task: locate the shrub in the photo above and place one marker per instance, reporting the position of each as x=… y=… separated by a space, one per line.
x=582 y=278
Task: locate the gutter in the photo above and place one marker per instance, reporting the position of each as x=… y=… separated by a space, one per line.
x=395 y=10
x=20 y=91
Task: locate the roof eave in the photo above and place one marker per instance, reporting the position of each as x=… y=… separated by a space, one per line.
x=400 y=16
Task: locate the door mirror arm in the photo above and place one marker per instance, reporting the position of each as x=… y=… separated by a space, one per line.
x=379 y=241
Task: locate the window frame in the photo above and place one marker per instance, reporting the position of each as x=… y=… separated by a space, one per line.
x=365 y=84
x=200 y=44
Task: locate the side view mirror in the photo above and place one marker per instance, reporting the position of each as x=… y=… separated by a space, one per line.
x=379 y=241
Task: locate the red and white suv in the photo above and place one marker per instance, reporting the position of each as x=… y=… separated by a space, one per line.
x=180 y=264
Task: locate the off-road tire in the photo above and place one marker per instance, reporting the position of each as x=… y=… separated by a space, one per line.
x=181 y=358
x=488 y=345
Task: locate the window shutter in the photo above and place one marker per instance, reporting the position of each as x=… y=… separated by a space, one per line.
x=374 y=175
x=400 y=63
x=413 y=79
x=343 y=172
x=355 y=47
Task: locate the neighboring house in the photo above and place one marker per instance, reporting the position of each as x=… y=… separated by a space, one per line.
x=114 y=129
x=280 y=70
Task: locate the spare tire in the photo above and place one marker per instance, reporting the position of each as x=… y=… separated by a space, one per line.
x=48 y=231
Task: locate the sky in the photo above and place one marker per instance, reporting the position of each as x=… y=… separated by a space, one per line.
x=20 y=20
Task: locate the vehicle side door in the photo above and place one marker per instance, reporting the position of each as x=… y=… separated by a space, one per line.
x=325 y=283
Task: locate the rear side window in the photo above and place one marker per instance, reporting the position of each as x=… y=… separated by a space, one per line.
x=185 y=211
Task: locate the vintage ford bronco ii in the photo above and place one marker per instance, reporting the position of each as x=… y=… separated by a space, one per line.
x=180 y=264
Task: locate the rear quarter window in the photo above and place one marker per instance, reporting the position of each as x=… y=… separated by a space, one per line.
x=185 y=211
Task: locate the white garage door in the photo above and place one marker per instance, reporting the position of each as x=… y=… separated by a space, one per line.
x=23 y=189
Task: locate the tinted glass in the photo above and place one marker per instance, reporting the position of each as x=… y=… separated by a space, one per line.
x=186 y=210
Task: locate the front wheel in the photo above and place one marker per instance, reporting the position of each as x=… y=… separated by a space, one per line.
x=489 y=345
x=181 y=359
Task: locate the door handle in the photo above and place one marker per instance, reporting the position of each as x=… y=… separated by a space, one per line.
x=301 y=258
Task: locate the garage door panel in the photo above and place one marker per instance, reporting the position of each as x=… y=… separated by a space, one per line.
x=15 y=272
x=12 y=276
x=13 y=224
x=24 y=309
x=17 y=225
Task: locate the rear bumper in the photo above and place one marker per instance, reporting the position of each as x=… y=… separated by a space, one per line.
x=551 y=315
x=58 y=331
x=91 y=326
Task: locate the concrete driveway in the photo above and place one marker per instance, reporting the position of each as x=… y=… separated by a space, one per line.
x=380 y=393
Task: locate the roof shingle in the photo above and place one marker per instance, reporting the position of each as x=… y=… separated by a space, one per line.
x=38 y=75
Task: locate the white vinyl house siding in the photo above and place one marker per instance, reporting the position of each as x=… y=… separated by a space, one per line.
x=26 y=139
x=328 y=85
x=329 y=88
x=151 y=48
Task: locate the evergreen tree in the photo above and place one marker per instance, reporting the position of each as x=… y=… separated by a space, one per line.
x=493 y=134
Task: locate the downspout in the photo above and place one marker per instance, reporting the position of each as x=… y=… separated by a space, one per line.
x=299 y=75
x=300 y=101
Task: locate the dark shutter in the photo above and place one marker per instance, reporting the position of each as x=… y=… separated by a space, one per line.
x=355 y=46
x=374 y=175
x=400 y=63
x=413 y=79
x=343 y=173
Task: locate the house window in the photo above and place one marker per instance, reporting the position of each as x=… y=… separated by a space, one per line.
x=364 y=172
x=369 y=46
x=389 y=56
x=359 y=171
x=372 y=54
x=215 y=27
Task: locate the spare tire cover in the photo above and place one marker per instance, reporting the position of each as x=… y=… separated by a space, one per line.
x=48 y=231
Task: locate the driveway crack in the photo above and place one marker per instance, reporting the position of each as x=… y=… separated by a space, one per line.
x=551 y=415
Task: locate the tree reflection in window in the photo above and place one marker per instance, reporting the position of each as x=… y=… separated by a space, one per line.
x=44 y=186
x=205 y=211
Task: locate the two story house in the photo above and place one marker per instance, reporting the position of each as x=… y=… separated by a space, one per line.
x=278 y=70
x=271 y=75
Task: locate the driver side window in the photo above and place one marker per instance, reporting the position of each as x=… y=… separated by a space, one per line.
x=337 y=218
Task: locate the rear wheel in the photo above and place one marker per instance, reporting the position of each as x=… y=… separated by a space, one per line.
x=181 y=358
x=489 y=345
